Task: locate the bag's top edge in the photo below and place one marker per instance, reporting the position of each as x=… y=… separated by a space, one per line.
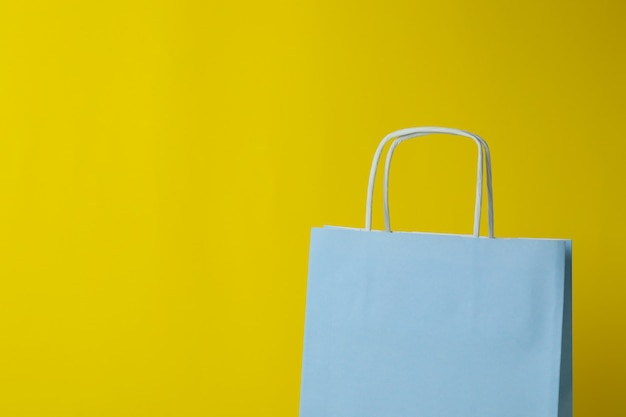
x=360 y=229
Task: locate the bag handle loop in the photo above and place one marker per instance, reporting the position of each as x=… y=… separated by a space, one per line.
x=410 y=133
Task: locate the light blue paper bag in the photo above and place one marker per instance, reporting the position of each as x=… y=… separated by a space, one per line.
x=432 y=325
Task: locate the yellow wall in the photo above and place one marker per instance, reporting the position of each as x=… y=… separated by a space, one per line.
x=162 y=163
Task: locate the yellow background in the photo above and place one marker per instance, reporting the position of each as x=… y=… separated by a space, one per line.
x=162 y=163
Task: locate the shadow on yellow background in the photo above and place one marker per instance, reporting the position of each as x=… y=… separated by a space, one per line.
x=162 y=163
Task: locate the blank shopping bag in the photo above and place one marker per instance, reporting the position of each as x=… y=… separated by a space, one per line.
x=405 y=324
